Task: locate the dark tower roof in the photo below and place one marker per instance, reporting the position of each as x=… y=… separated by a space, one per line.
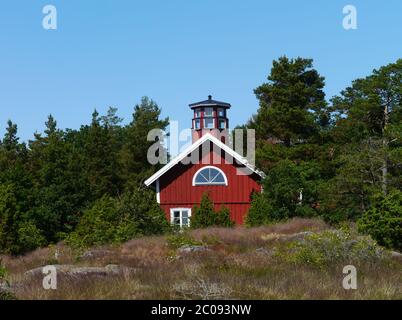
x=210 y=103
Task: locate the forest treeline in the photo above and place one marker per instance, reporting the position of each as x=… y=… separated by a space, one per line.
x=340 y=159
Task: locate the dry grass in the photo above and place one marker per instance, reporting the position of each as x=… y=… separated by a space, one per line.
x=241 y=263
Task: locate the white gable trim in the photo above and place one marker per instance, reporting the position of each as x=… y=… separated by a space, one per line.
x=193 y=147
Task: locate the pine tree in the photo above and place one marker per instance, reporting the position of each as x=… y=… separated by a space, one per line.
x=135 y=167
x=204 y=215
x=372 y=109
x=292 y=102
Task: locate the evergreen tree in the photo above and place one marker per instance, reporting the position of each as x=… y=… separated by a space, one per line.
x=204 y=215
x=372 y=109
x=260 y=211
x=9 y=219
x=135 y=167
x=292 y=102
x=57 y=190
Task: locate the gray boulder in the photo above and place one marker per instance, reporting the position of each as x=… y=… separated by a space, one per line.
x=396 y=255
x=77 y=272
x=189 y=248
x=95 y=254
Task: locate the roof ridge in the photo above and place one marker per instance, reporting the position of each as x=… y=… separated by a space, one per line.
x=194 y=146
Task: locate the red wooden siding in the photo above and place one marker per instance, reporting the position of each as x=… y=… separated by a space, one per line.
x=238 y=211
x=177 y=191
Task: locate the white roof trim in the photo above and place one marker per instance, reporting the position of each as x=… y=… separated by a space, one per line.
x=193 y=147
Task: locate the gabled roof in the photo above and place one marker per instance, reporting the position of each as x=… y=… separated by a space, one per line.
x=210 y=102
x=193 y=147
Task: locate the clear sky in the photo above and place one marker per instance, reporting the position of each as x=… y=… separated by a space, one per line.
x=110 y=53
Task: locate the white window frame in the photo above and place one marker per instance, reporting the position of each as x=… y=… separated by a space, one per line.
x=199 y=124
x=213 y=123
x=219 y=112
x=224 y=124
x=208 y=114
x=209 y=183
x=172 y=210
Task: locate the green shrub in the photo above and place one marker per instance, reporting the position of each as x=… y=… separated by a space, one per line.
x=383 y=221
x=283 y=186
x=140 y=206
x=17 y=233
x=180 y=239
x=259 y=212
x=112 y=220
x=9 y=220
x=339 y=246
x=204 y=215
x=30 y=237
x=290 y=190
x=223 y=217
x=4 y=294
x=3 y=272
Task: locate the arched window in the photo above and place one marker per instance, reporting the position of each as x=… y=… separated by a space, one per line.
x=210 y=176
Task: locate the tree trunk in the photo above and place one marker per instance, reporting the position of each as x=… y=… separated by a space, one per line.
x=385 y=147
x=384 y=168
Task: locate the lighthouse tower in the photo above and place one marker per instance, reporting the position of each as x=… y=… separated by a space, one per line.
x=210 y=116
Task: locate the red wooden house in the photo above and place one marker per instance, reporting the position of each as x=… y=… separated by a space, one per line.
x=208 y=165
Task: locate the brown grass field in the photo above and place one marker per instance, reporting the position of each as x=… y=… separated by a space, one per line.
x=280 y=261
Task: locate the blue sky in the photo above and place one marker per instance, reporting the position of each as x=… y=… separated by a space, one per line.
x=110 y=53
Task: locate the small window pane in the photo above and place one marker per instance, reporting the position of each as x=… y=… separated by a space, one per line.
x=197 y=124
x=221 y=112
x=209 y=123
x=184 y=214
x=176 y=214
x=185 y=221
x=198 y=113
x=222 y=124
x=208 y=112
x=213 y=173
x=219 y=179
x=200 y=178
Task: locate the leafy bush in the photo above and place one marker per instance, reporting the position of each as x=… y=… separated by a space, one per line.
x=223 y=217
x=339 y=246
x=140 y=206
x=259 y=212
x=30 y=237
x=112 y=220
x=180 y=239
x=290 y=190
x=9 y=219
x=282 y=188
x=4 y=294
x=383 y=221
x=204 y=215
x=17 y=233
x=3 y=272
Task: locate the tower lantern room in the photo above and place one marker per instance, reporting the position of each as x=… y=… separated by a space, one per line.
x=209 y=116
